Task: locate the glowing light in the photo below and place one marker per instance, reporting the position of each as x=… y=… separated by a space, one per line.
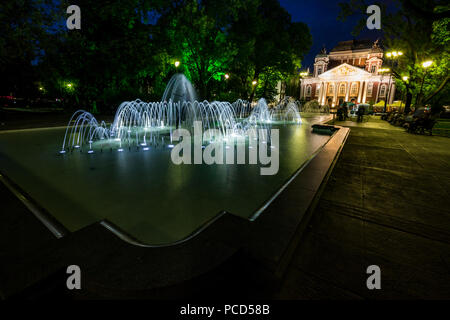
x=177 y=64
x=394 y=53
x=40 y=88
x=145 y=149
x=388 y=54
x=400 y=53
x=77 y=146
x=227 y=75
x=254 y=82
x=120 y=150
x=426 y=64
x=91 y=151
x=69 y=85
x=405 y=78
x=170 y=146
x=62 y=151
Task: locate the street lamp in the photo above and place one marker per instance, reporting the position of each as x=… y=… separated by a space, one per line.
x=177 y=64
x=69 y=85
x=254 y=82
x=427 y=64
x=227 y=76
x=404 y=78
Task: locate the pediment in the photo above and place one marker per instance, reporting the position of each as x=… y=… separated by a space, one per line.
x=344 y=70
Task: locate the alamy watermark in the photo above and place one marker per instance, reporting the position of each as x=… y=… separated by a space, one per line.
x=374 y=280
x=374 y=20
x=74 y=20
x=228 y=148
x=74 y=280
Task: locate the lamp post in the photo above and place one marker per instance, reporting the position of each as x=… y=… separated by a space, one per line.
x=405 y=79
x=425 y=65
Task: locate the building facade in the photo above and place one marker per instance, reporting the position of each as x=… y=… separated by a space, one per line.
x=350 y=70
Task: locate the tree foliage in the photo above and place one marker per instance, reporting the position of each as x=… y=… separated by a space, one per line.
x=420 y=29
x=127 y=49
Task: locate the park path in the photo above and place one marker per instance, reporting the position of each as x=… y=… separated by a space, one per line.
x=385 y=204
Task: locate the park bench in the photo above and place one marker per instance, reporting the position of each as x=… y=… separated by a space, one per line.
x=421 y=125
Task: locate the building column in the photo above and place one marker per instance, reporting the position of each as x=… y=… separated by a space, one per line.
x=325 y=89
x=360 y=89
x=366 y=85
x=319 y=97
x=349 y=84
x=378 y=91
x=336 y=85
x=391 y=93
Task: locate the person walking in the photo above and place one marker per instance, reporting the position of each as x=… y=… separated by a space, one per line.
x=360 y=113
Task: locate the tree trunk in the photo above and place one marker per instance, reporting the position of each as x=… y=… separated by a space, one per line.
x=408 y=102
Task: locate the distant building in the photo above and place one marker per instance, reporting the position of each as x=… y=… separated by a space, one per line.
x=349 y=71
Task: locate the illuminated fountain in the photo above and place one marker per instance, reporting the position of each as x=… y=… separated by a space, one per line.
x=139 y=124
x=179 y=88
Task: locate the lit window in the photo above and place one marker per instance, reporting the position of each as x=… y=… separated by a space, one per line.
x=330 y=89
x=383 y=90
x=342 y=89
x=354 y=89
x=308 y=90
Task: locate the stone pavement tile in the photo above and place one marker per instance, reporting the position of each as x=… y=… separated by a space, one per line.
x=395 y=179
x=347 y=173
x=300 y=285
x=386 y=203
x=342 y=192
x=403 y=188
x=344 y=266
x=424 y=285
x=398 y=246
x=443 y=184
x=374 y=141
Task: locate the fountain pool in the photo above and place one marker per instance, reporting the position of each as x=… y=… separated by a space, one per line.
x=142 y=192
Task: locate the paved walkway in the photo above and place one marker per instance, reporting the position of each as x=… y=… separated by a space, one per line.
x=386 y=203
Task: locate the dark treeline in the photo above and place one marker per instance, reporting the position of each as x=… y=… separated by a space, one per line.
x=127 y=49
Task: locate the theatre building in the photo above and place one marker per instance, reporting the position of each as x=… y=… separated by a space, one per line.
x=350 y=70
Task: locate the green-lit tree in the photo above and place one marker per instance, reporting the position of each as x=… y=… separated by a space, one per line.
x=195 y=33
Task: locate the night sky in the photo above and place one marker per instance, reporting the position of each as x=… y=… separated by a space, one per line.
x=321 y=18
